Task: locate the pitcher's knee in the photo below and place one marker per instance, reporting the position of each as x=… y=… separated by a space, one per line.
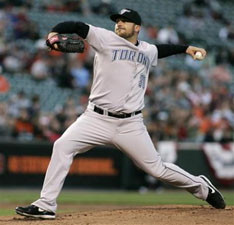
x=62 y=145
x=157 y=172
x=58 y=144
x=69 y=146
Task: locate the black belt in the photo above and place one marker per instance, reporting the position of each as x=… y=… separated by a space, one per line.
x=122 y=115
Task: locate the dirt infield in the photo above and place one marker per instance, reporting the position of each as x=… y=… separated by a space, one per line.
x=129 y=215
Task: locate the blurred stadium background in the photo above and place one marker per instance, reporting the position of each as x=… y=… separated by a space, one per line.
x=188 y=103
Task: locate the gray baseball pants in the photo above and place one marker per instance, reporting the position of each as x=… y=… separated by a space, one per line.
x=130 y=136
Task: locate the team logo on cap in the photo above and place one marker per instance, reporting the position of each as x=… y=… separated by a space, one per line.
x=124 y=11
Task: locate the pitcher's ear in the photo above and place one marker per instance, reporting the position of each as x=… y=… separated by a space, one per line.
x=137 y=28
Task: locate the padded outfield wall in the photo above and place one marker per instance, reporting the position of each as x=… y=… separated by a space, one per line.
x=24 y=164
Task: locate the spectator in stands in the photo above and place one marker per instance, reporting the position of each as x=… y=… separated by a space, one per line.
x=15 y=59
x=4 y=118
x=18 y=102
x=71 y=112
x=205 y=96
x=227 y=32
x=24 y=28
x=152 y=31
x=34 y=108
x=168 y=35
x=40 y=69
x=58 y=67
x=223 y=112
x=80 y=74
x=222 y=130
x=205 y=123
x=12 y=63
x=54 y=131
x=43 y=122
x=227 y=135
x=70 y=108
x=23 y=129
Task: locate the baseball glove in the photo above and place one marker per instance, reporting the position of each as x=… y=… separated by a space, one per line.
x=69 y=43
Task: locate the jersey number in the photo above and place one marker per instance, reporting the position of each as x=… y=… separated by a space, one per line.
x=141 y=83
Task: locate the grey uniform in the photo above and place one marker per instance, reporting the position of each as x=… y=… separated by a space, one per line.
x=121 y=72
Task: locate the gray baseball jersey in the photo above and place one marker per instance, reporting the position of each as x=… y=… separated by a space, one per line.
x=121 y=72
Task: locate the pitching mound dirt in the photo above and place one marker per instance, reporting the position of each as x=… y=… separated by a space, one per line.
x=128 y=215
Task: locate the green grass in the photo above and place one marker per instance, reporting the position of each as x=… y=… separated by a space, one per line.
x=6 y=212
x=22 y=197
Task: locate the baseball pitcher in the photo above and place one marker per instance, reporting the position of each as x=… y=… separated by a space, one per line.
x=121 y=68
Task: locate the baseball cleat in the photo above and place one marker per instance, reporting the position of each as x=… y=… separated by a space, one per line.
x=34 y=211
x=214 y=197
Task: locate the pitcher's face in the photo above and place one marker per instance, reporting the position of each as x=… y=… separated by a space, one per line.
x=125 y=28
